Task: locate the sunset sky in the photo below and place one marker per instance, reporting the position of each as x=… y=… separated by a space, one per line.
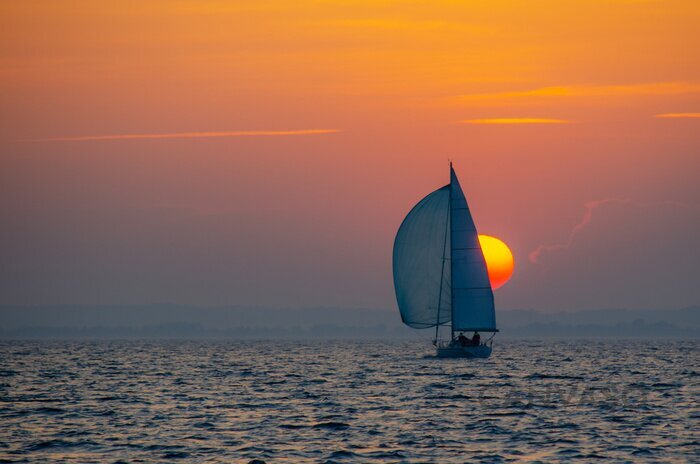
x=265 y=152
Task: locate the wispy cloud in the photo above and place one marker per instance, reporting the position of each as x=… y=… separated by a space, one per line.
x=678 y=115
x=515 y=121
x=189 y=135
x=589 y=207
x=653 y=88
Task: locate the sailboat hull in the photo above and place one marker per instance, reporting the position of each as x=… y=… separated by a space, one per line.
x=456 y=351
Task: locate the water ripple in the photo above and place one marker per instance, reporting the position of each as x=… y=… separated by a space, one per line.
x=338 y=402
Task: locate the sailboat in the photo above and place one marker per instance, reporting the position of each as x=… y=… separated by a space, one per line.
x=440 y=274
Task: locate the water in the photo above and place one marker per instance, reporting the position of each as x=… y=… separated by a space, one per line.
x=139 y=401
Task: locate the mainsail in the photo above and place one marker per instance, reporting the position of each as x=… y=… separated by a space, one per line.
x=440 y=274
x=472 y=297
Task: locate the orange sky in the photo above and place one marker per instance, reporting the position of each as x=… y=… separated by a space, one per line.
x=304 y=131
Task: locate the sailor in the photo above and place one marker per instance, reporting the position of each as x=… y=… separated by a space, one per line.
x=476 y=339
x=464 y=341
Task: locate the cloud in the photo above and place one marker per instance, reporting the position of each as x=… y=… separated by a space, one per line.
x=590 y=206
x=653 y=88
x=515 y=121
x=677 y=115
x=189 y=135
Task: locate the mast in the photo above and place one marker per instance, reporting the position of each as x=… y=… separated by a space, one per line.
x=442 y=270
x=452 y=295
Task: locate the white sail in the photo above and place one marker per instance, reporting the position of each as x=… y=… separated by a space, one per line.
x=421 y=262
x=472 y=296
x=440 y=273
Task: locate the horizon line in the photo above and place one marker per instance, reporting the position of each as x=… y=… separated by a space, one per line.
x=312 y=308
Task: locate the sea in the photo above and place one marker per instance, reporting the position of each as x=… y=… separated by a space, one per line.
x=348 y=401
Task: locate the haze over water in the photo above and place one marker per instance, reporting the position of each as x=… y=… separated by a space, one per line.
x=348 y=401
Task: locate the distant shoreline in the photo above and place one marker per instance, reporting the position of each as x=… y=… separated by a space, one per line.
x=238 y=323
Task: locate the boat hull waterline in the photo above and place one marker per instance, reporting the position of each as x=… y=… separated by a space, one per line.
x=481 y=351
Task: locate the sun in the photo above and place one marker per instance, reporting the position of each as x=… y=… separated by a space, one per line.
x=499 y=260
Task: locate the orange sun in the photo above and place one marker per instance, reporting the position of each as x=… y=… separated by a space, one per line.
x=499 y=260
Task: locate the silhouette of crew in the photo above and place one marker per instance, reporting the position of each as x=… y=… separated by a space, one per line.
x=476 y=339
x=464 y=341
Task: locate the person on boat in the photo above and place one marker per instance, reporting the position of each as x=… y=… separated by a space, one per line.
x=476 y=339
x=464 y=341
